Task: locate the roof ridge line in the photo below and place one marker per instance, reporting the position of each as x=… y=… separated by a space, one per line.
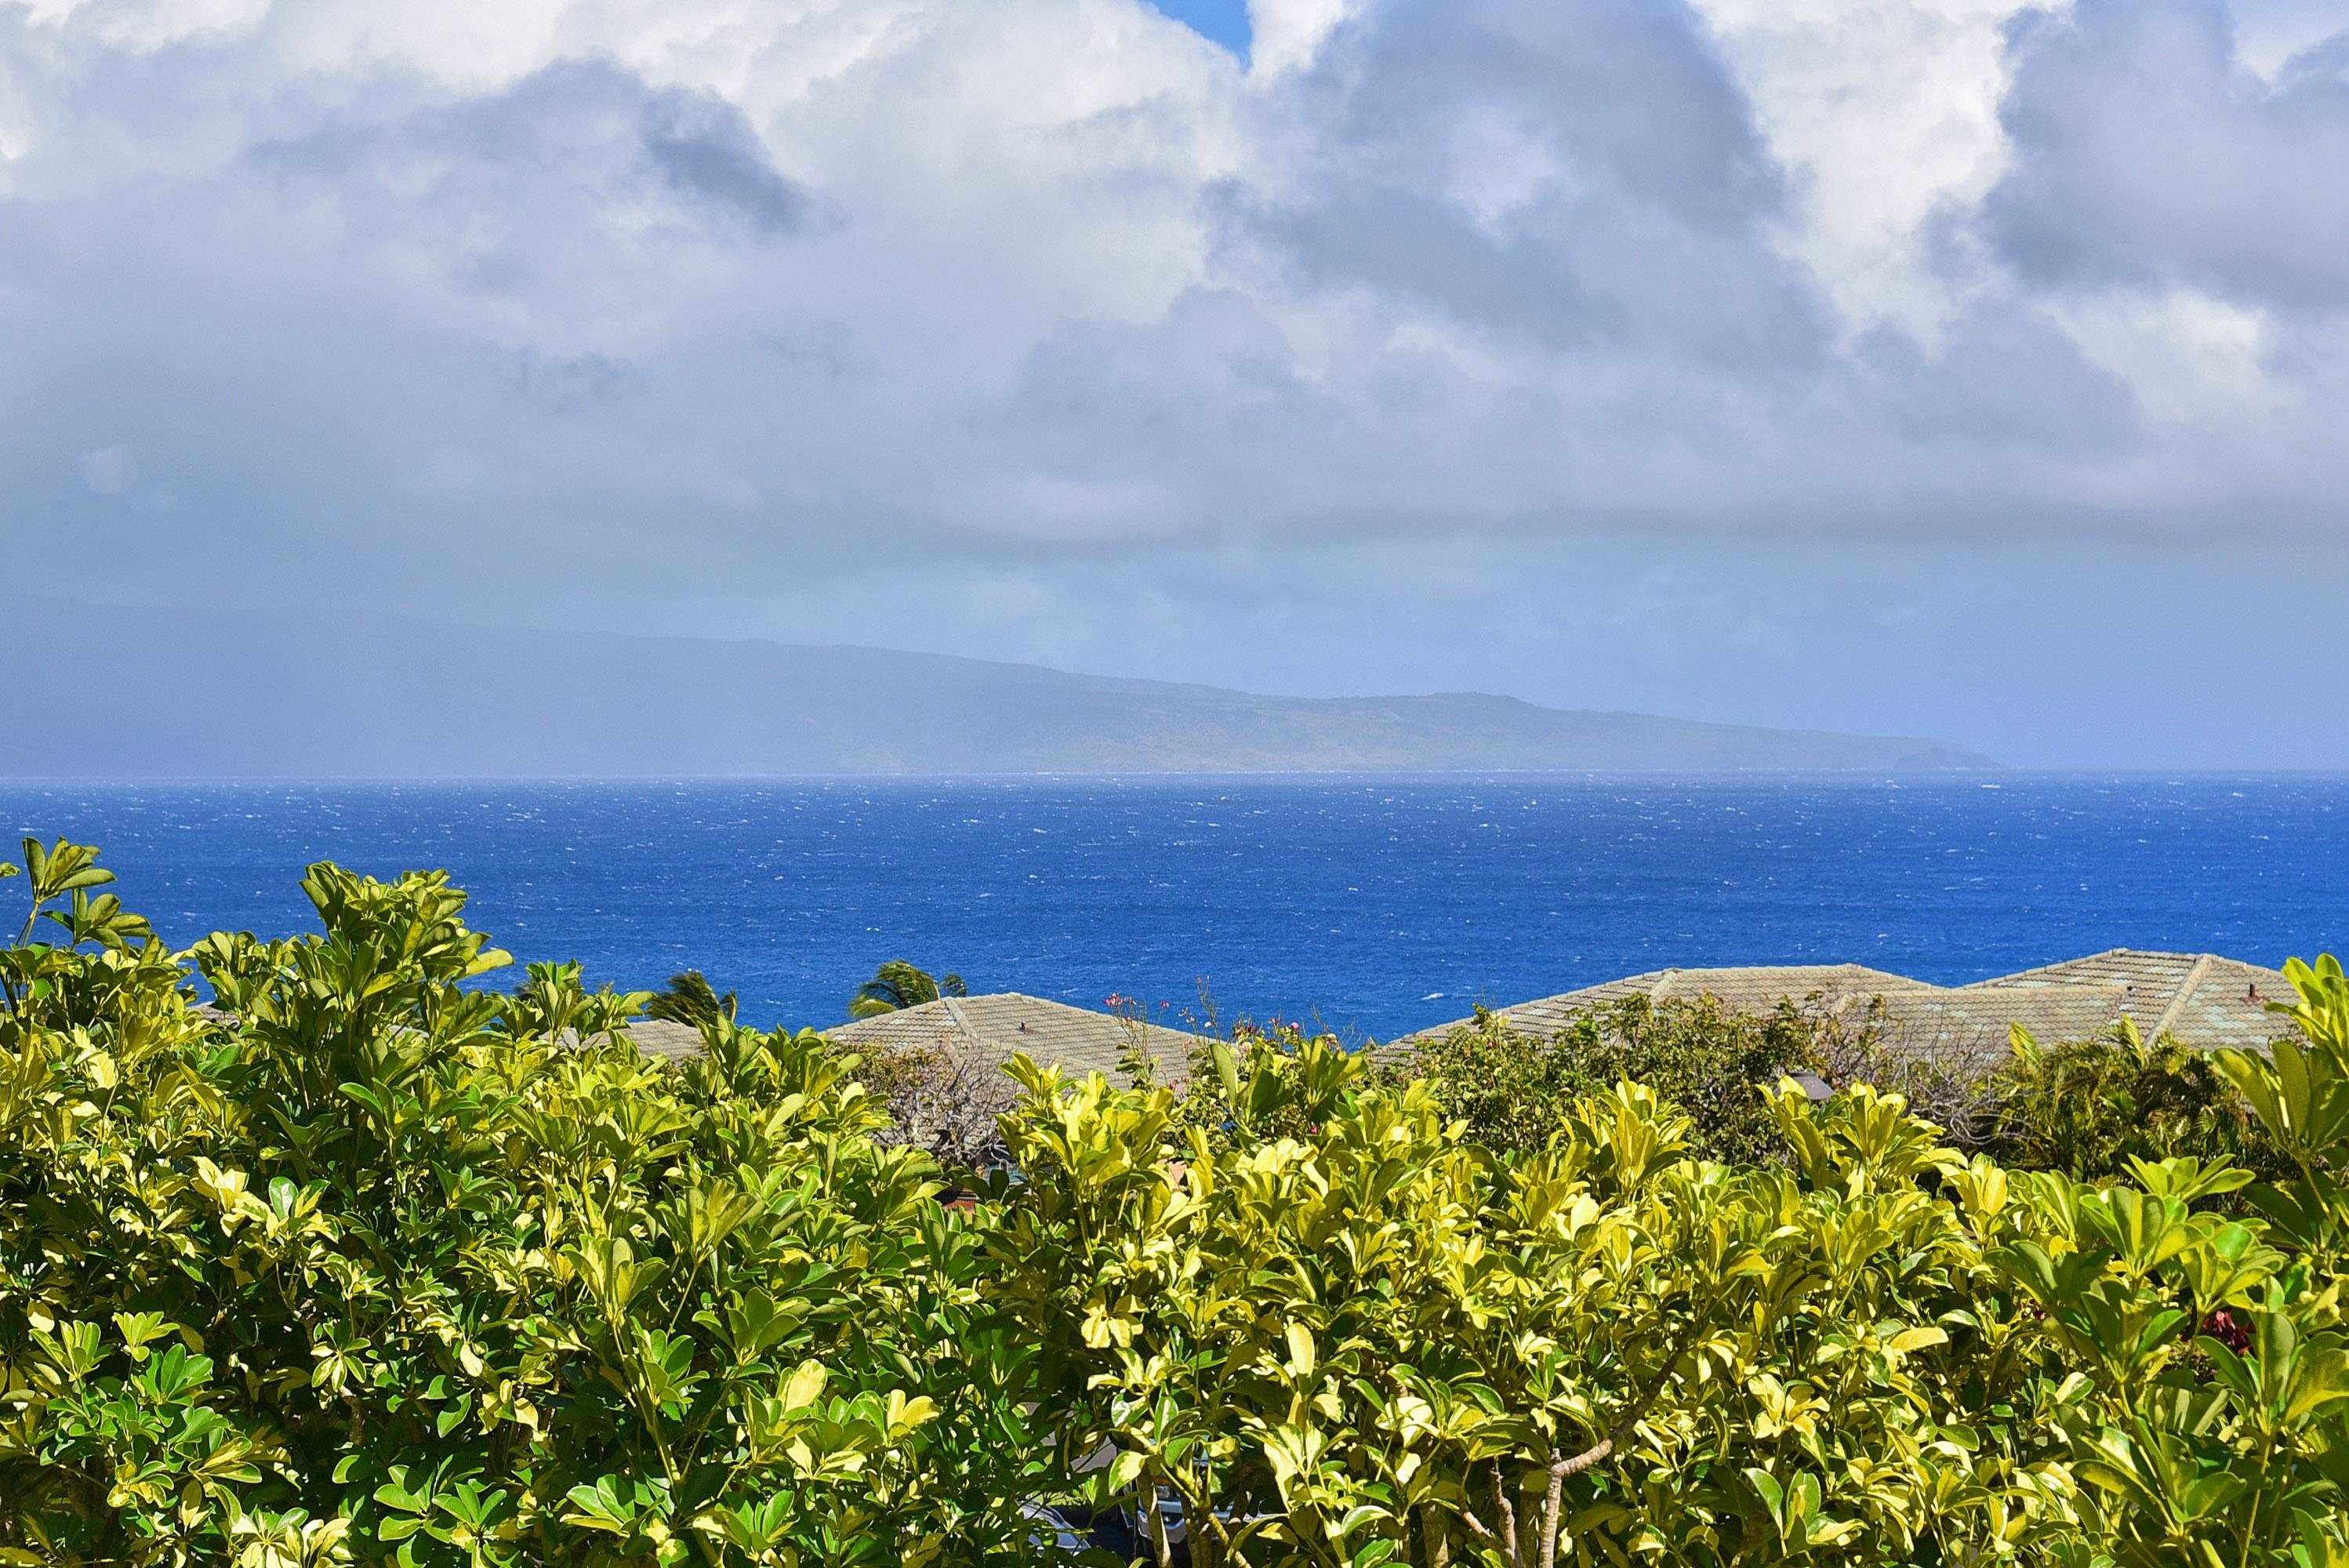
x=2186 y=989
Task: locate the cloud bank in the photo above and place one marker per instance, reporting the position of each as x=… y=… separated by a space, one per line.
x=1939 y=364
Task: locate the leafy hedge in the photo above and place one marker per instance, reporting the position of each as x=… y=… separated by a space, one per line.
x=2084 y=1107
x=374 y=1265
x=390 y=1267
x=2088 y=1107
x=1517 y=1090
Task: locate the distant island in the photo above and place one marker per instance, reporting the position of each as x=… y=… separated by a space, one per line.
x=154 y=694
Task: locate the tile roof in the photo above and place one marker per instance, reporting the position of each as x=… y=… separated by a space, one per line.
x=2201 y=998
x=999 y=1026
x=1834 y=984
x=661 y=1037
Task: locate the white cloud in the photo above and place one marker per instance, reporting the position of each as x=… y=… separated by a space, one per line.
x=1288 y=33
x=708 y=306
x=1889 y=113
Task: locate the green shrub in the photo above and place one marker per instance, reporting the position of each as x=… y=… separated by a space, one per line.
x=378 y=1265
x=2088 y=1108
x=374 y=1265
x=1362 y=1338
x=1517 y=1091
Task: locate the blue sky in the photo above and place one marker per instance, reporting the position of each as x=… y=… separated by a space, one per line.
x=1967 y=367
x=1225 y=21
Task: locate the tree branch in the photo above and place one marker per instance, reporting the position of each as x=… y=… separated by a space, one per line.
x=1633 y=1414
x=1507 y=1511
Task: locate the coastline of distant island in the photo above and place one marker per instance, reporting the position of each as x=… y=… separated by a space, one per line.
x=182 y=694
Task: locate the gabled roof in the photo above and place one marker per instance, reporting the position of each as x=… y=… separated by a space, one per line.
x=997 y=1027
x=661 y=1037
x=2200 y=998
x=1759 y=987
x=2203 y=999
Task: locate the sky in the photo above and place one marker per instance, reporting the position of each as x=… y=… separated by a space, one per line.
x=1960 y=368
x=1224 y=21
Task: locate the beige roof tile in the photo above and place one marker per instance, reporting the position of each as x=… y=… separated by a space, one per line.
x=1759 y=987
x=2203 y=999
x=661 y=1037
x=1077 y=1039
x=2200 y=998
x=997 y=1027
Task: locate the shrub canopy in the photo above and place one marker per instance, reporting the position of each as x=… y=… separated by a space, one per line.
x=370 y=1263
x=1516 y=1091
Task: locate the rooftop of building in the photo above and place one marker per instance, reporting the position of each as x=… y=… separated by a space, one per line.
x=1077 y=1039
x=2202 y=999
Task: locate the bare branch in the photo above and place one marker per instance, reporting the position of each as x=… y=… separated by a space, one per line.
x=1633 y=1414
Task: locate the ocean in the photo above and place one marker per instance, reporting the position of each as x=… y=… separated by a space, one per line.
x=1368 y=905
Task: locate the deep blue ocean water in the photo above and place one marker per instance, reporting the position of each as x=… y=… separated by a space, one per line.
x=1373 y=904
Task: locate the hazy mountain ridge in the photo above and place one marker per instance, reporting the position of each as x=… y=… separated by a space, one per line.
x=177 y=694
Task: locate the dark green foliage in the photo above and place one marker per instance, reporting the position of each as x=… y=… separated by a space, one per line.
x=2088 y=1108
x=1517 y=1091
x=690 y=999
x=897 y=985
